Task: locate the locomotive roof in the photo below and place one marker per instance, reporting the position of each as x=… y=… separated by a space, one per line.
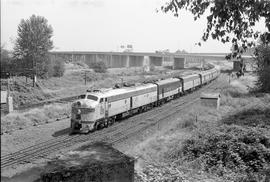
x=123 y=90
x=207 y=72
x=169 y=80
x=190 y=76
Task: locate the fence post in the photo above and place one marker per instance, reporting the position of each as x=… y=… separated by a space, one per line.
x=8 y=87
x=34 y=80
x=9 y=100
x=9 y=104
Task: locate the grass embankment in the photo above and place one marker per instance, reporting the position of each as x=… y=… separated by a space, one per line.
x=72 y=83
x=34 y=117
x=231 y=144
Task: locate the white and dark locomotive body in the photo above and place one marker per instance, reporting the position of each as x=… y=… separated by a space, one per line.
x=97 y=109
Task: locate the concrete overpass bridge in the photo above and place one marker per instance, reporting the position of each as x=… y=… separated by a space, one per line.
x=138 y=59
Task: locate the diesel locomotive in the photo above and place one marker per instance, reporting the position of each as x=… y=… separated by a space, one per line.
x=100 y=108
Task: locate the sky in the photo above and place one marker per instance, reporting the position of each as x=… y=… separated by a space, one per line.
x=105 y=25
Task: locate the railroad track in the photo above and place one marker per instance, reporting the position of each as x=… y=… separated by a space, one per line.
x=39 y=104
x=114 y=134
x=58 y=100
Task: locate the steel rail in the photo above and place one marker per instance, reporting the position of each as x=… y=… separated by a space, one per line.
x=50 y=146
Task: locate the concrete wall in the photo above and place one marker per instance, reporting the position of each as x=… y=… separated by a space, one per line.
x=120 y=59
x=103 y=58
x=168 y=61
x=90 y=58
x=179 y=63
x=146 y=61
x=136 y=61
x=193 y=61
x=156 y=61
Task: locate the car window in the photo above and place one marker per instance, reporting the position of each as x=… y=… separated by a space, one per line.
x=92 y=97
x=82 y=97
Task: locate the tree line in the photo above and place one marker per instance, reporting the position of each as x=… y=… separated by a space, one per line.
x=30 y=55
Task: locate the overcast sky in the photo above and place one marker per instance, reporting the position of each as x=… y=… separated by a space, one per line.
x=104 y=25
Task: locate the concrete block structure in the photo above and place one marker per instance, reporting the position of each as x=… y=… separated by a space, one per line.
x=136 y=61
x=155 y=60
x=179 y=63
x=193 y=61
x=118 y=61
x=139 y=59
x=210 y=100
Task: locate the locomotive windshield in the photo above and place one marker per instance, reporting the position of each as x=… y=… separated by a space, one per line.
x=81 y=97
x=92 y=97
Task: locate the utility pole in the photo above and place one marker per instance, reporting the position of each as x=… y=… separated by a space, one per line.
x=8 y=93
x=34 y=70
x=33 y=67
x=85 y=77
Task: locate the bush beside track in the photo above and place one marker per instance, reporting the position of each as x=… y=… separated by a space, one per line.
x=236 y=148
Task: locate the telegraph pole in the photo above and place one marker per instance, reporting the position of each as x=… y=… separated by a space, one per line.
x=85 y=77
x=34 y=71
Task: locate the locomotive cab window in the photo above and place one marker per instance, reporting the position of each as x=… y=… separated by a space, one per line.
x=81 y=97
x=92 y=97
x=101 y=100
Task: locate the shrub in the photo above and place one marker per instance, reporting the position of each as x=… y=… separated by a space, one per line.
x=262 y=59
x=58 y=68
x=250 y=117
x=6 y=61
x=263 y=79
x=82 y=64
x=99 y=67
x=55 y=67
x=152 y=67
x=229 y=149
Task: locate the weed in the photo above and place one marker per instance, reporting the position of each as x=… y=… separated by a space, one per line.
x=99 y=67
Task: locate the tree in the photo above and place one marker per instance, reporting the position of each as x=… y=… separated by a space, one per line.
x=33 y=44
x=5 y=58
x=99 y=67
x=6 y=63
x=229 y=20
x=58 y=68
x=262 y=59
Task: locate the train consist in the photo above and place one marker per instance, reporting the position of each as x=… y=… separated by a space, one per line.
x=100 y=108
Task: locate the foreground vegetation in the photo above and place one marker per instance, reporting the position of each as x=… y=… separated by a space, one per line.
x=233 y=151
x=232 y=144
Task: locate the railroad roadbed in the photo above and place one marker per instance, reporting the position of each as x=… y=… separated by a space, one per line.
x=33 y=146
